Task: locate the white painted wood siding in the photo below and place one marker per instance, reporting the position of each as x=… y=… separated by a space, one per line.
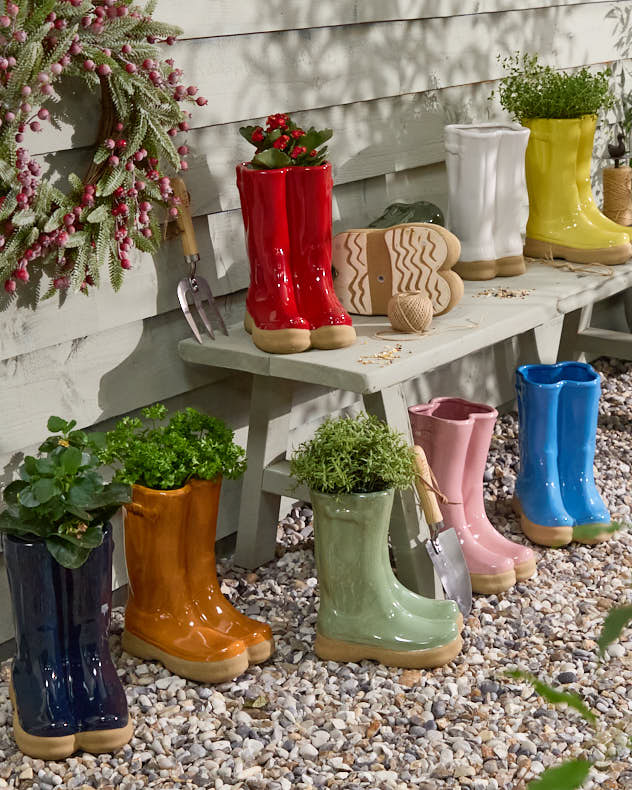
x=386 y=75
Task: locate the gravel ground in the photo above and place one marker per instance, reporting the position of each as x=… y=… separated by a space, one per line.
x=300 y=723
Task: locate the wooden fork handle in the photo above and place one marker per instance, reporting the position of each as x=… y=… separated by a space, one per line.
x=427 y=496
x=184 y=218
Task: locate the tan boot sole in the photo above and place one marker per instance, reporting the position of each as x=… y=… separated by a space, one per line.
x=525 y=570
x=555 y=537
x=459 y=622
x=492 y=583
x=201 y=671
x=346 y=652
x=278 y=341
x=610 y=256
x=44 y=748
x=372 y=264
x=330 y=337
x=260 y=652
x=487 y=270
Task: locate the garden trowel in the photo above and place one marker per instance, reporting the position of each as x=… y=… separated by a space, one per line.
x=443 y=546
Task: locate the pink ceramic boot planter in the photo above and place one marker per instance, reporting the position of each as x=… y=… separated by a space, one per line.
x=484 y=418
x=445 y=428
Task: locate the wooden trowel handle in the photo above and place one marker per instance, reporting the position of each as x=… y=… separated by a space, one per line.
x=184 y=219
x=427 y=496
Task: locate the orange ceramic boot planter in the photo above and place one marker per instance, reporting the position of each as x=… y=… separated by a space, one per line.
x=212 y=607
x=161 y=622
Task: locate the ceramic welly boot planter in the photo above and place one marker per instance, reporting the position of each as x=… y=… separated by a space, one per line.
x=365 y=613
x=485 y=164
x=285 y=194
x=65 y=690
x=556 y=496
x=453 y=433
x=482 y=419
x=560 y=110
x=211 y=605
x=374 y=264
x=176 y=613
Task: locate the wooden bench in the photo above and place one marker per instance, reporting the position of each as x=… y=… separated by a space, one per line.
x=558 y=307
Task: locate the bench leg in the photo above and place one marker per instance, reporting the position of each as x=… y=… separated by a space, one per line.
x=574 y=323
x=408 y=531
x=268 y=431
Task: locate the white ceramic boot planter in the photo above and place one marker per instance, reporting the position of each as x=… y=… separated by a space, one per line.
x=487 y=192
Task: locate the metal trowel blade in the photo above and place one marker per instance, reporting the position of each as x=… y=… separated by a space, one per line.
x=447 y=557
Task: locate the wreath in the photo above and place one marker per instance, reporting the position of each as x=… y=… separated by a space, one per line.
x=112 y=45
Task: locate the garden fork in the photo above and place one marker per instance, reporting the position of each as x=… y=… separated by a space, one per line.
x=194 y=286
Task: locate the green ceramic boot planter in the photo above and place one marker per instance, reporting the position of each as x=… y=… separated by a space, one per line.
x=361 y=615
x=399 y=213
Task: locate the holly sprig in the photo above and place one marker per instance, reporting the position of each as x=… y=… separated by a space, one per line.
x=113 y=47
x=283 y=143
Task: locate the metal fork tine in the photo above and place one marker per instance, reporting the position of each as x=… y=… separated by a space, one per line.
x=201 y=312
x=184 y=304
x=207 y=294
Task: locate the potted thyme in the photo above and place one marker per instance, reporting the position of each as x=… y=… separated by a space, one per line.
x=176 y=612
x=561 y=108
x=285 y=192
x=352 y=466
x=58 y=550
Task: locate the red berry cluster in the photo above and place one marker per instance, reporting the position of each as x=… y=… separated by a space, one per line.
x=297 y=146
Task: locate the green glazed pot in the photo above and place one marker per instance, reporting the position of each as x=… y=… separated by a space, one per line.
x=399 y=213
x=364 y=611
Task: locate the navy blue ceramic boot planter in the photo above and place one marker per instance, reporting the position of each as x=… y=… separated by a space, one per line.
x=65 y=691
x=97 y=694
x=555 y=490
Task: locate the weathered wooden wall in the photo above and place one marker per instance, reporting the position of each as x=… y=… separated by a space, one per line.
x=386 y=75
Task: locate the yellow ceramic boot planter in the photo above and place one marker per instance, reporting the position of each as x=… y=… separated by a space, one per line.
x=558 y=227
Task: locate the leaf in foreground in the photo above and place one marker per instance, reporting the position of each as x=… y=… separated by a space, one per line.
x=614 y=623
x=554 y=696
x=568 y=776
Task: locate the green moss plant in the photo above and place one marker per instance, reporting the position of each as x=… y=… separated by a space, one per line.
x=357 y=455
x=531 y=90
x=165 y=455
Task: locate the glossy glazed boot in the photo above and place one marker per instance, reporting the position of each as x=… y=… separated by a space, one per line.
x=271 y=313
x=587 y=126
x=358 y=617
x=484 y=418
x=96 y=691
x=309 y=223
x=213 y=608
x=161 y=621
x=44 y=723
x=485 y=164
x=444 y=429
x=577 y=432
x=558 y=227
x=65 y=692
x=538 y=496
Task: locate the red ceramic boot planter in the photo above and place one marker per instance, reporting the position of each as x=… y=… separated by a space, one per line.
x=309 y=222
x=271 y=315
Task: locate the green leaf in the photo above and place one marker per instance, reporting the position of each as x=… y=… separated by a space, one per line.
x=7 y=173
x=96 y=439
x=45 y=466
x=44 y=489
x=77 y=239
x=616 y=620
x=27 y=498
x=111 y=181
x=11 y=492
x=583 y=532
x=554 y=696
x=13 y=524
x=66 y=553
x=271 y=158
x=24 y=217
x=244 y=131
x=112 y=494
x=55 y=220
x=567 y=776
x=57 y=425
x=70 y=460
x=83 y=492
x=89 y=539
x=98 y=214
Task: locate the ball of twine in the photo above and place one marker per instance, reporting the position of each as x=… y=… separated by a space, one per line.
x=410 y=312
x=617 y=194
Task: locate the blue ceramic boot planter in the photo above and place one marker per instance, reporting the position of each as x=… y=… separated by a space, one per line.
x=555 y=489
x=65 y=691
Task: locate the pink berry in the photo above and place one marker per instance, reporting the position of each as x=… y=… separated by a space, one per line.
x=109 y=144
x=57 y=69
x=125 y=263
x=148 y=64
x=129 y=166
x=36 y=126
x=21 y=274
x=119 y=127
x=184 y=165
x=5 y=21
x=26 y=90
x=131 y=68
x=104 y=70
x=9 y=117
x=147 y=233
x=20 y=36
x=47 y=90
x=89 y=65
x=173 y=212
x=62 y=238
x=192 y=90
x=9 y=286
x=201 y=101
x=61 y=283
x=43 y=114
x=126 y=49
x=114 y=161
x=183 y=150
